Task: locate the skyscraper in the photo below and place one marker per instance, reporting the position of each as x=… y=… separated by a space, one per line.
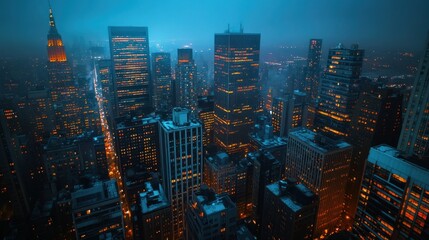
x=137 y=144
x=206 y=115
x=186 y=77
x=414 y=136
x=394 y=198
x=129 y=50
x=376 y=119
x=64 y=93
x=220 y=174
x=236 y=77
x=211 y=216
x=105 y=78
x=161 y=82
x=181 y=163
x=313 y=69
x=339 y=91
x=289 y=211
x=289 y=112
x=322 y=164
x=97 y=212
x=154 y=216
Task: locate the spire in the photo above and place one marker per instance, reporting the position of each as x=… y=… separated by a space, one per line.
x=51 y=16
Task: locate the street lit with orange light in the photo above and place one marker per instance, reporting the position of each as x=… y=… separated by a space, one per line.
x=112 y=158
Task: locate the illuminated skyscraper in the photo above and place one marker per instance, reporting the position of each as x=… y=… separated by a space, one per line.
x=376 y=119
x=154 y=216
x=311 y=87
x=137 y=144
x=211 y=216
x=339 y=91
x=105 y=78
x=415 y=134
x=186 y=77
x=129 y=50
x=206 y=115
x=97 y=212
x=161 y=81
x=394 y=198
x=40 y=114
x=181 y=163
x=236 y=77
x=322 y=164
x=289 y=211
x=64 y=93
x=220 y=174
x=289 y=112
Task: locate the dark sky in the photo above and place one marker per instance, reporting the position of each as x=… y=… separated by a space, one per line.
x=374 y=24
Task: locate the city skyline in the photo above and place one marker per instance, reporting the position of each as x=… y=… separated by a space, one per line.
x=285 y=23
x=222 y=141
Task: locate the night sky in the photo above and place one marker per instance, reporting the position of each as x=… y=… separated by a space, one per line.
x=374 y=24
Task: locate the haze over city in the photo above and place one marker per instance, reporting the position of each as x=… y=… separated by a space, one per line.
x=380 y=25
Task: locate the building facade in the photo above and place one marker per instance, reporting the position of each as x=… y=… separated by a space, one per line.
x=414 y=135
x=181 y=163
x=394 y=199
x=322 y=164
x=236 y=75
x=129 y=50
x=290 y=211
x=339 y=91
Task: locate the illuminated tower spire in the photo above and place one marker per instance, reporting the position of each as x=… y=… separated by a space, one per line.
x=56 y=52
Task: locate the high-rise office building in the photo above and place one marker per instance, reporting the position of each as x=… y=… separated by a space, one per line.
x=289 y=211
x=186 y=77
x=129 y=50
x=161 y=82
x=289 y=112
x=137 y=144
x=154 y=216
x=376 y=119
x=266 y=170
x=339 y=91
x=263 y=139
x=322 y=164
x=206 y=115
x=394 y=198
x=219 y=174
x=181 y=163
x=105 y=78
x=414 y=135
x=14 y=194
x=313 y=70
x=40 y=113
x=97 y=212
x=211 y=216
x=64 y=93
x=236 y=74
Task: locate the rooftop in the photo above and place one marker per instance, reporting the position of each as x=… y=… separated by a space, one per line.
x=153 y=199
x=389 y=158
x=99 y=192
x=294 y=195
x=318 y=141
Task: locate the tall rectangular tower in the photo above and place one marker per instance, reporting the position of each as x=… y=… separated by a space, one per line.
x=161 y=81
x=129 y=50
x=311 y=87
x=181 y=163
x=186 y=77
x=414 y=136
x=394 y=198
x=322 y=164
x=236 y=68
x=339 y=91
